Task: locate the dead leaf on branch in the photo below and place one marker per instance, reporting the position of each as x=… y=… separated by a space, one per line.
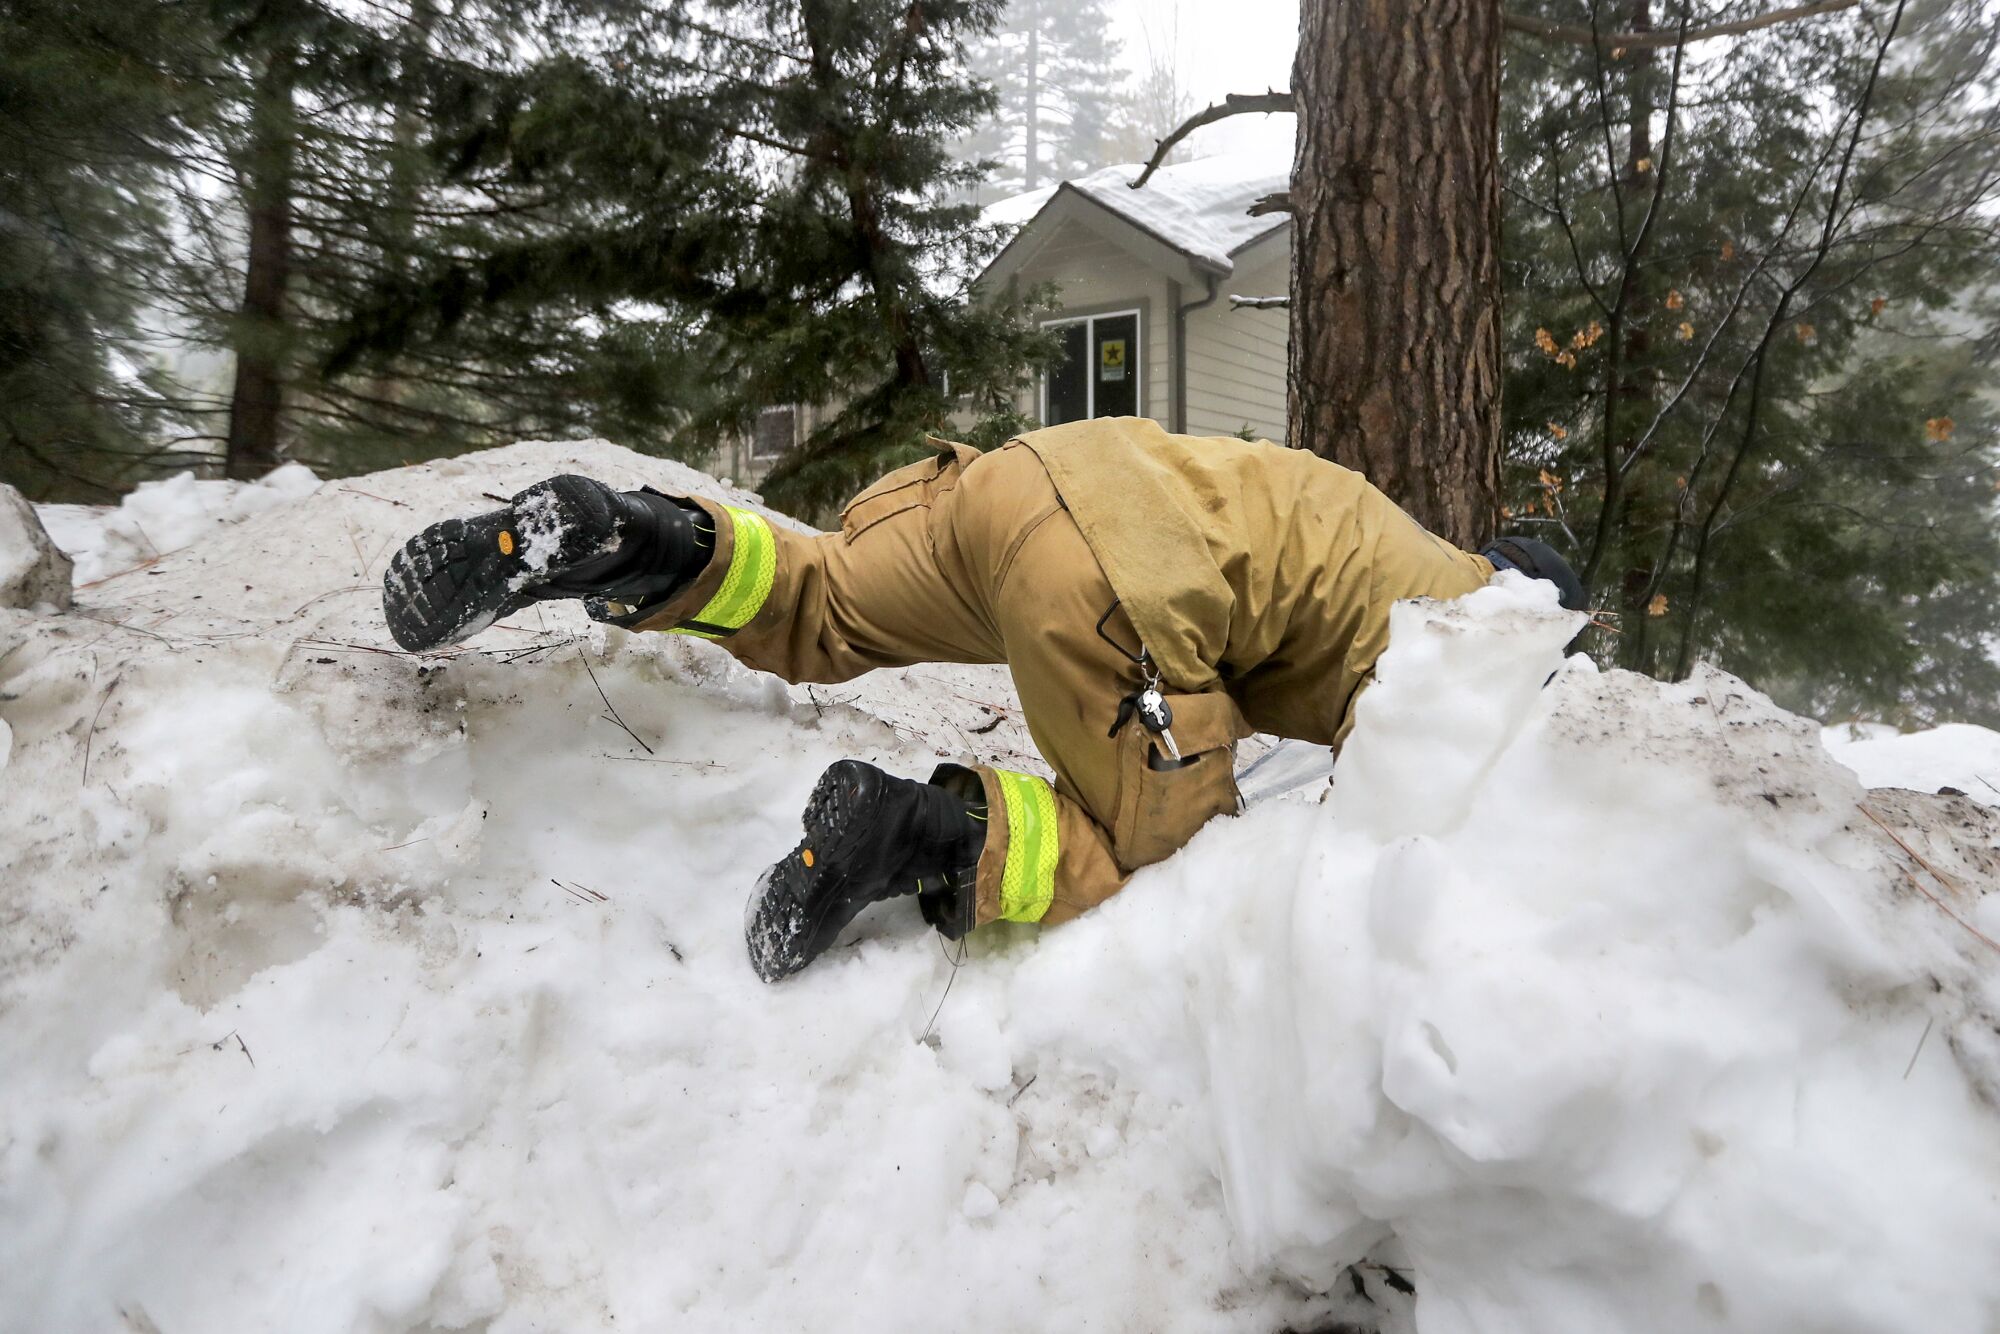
x=1658 y=606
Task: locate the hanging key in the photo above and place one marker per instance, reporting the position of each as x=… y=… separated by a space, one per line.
x=1157 y=717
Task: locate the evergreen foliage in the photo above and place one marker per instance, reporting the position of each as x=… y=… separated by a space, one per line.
x=1743 y=395
x=372 y=234
x=320 y=126
x=758 y=198
x=83 y=133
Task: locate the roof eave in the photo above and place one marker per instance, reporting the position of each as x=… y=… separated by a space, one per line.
x=1002 y=265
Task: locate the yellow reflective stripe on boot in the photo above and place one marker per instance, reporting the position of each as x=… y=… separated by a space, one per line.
x=753 y=567
x=1028 y=884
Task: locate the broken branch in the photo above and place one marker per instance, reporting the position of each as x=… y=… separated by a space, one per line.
x=1235 y=104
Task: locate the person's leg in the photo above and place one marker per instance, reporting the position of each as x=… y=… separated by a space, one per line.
x=807 y=607
x=830 y=606
x=1118 y=802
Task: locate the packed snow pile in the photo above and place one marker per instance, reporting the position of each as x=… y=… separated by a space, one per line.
x=1955 y=756
x=163 y=516
x=346 y=989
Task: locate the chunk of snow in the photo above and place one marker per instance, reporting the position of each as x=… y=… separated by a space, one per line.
x=33 y=571
x=163 y=516
x=542 y=530
x=980 y=1201
x=1956 y=755
x=345 y=988
x=1599 y=999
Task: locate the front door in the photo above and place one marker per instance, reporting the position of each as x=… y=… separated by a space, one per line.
x=1113 y=340
x=1096 y=369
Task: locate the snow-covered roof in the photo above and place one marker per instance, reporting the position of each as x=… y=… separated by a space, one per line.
x=1199 y=208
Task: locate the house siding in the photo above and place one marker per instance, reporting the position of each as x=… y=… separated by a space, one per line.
x=1097 y=276
x=1236 y=358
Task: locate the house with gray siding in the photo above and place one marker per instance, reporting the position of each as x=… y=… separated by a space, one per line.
x=1146 y=321
x=1146 y=324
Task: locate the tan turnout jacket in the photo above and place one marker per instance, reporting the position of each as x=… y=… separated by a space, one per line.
x=1259 y=579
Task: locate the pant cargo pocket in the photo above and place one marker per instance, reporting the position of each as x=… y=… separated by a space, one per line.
x=1161 y=800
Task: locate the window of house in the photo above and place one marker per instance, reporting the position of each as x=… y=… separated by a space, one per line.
x=1096 y=370
x=774 y=433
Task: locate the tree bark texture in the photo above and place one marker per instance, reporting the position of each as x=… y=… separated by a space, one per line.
x=256 y=404
x=1395 y=313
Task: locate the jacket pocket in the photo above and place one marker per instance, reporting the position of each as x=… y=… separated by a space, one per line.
x=1161 y=800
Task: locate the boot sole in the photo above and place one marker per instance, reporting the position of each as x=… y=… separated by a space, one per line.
x=453 y=580
x=789 y=908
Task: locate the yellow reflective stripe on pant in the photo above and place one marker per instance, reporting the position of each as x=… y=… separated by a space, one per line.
x=753 y=566
x=1028 y=883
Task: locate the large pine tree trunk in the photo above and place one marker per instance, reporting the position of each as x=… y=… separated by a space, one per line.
x=1395 y=295
x=256 y=405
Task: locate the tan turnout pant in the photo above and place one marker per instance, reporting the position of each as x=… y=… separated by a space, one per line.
x=974 y=558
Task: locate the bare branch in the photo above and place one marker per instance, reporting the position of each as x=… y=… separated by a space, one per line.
x=1235 y=104
x=1706 y=531
x=1259 y=302
x=1641 y=41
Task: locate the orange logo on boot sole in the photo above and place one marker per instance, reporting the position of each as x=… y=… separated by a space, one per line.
x=506 y=543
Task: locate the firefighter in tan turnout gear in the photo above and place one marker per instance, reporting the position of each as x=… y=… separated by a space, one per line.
x=1156 y=597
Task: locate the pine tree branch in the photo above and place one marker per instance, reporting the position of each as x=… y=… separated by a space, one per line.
x=1706 y=531
x=1641 y=41
x=1234 y=104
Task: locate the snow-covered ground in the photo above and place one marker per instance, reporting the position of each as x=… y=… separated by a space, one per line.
x=1953 y=756
x=342 y=989
x=163 y=516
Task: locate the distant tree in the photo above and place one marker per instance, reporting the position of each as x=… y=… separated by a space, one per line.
x=1158 y=98
x=330 y=189
x=756 y=196
x=1746 y=388
x=1394 y=344
x=85 y=131
x=1062 y=105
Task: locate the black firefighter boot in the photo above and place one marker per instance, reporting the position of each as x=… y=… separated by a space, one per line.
x=567 y=537
x=869 y=836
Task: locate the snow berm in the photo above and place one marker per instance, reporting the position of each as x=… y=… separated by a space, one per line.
x=342 y=989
